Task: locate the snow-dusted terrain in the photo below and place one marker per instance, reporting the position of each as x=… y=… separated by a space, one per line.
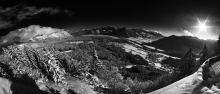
x=140 y=40
x=189 y=83
x=136 y=49
x=183 y=86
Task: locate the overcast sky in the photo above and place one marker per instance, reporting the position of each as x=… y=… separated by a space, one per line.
x=169 y=17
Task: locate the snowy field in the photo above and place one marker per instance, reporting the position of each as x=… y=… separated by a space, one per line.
x=134 y=50
x=144 y=54
x=140 y=40
x=183 y=86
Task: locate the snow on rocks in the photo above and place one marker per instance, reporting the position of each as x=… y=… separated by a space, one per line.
x=212 y=90
x=162 y=67
x=157 y=65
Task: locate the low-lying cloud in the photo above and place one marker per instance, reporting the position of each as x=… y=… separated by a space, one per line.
x=188 y=33
x=26 y=34
x=12 y=15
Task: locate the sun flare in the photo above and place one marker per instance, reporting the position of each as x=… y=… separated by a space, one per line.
x=202 y=26
x=202 y=33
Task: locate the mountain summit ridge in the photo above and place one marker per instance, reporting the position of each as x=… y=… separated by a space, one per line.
x=122 y=32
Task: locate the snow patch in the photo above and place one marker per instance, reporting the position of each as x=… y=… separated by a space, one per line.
x=168 y=56
x=157 y=65
x=129 y=66
x=75 y=42
x=140 y=40
x=102 y=36
x=134 y=50
x=153 y=48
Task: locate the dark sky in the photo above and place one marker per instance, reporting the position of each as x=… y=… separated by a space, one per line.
x=169 y=17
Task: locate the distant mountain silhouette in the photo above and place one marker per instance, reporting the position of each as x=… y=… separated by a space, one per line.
x=179 y=45
x=121 y=32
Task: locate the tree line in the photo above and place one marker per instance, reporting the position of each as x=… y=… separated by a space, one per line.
x=189 y=63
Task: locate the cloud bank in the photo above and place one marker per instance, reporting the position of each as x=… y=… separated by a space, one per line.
x=26 y=34
x=13 y=15
x=188 y=33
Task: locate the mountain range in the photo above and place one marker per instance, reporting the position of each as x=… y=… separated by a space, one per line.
x=179 y=45
x=122 y=32
x=172 y=45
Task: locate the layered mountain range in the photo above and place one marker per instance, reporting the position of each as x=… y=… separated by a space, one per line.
x=122 y=32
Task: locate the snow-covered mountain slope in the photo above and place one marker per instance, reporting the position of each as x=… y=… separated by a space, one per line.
x=189 y=83
x=183 y=86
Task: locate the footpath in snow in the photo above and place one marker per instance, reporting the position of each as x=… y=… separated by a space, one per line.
x=183 y=86
x=187 y=84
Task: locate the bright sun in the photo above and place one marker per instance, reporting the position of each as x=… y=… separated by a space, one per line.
x=202 y=33
x=202 y=26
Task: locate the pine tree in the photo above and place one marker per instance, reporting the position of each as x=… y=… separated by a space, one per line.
x=188 y=63
x=217 y=47
x=204 y=55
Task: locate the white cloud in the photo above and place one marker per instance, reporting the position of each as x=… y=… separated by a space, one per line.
x=214 y=38
x=188 y=33
x=25 y=34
